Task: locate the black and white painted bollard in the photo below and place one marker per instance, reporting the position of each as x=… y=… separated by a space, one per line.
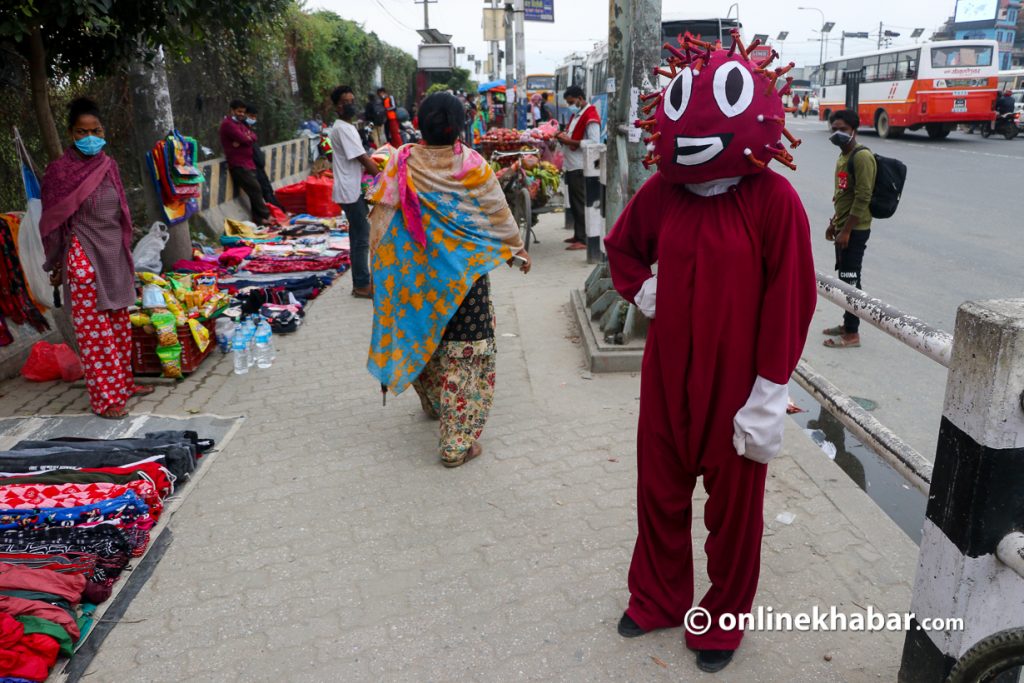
x=594 y=181
x=975 y=508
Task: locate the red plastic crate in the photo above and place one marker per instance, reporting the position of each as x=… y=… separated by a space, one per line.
x=146 y=362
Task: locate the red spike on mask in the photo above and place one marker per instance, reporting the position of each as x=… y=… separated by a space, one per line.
x=794 y=142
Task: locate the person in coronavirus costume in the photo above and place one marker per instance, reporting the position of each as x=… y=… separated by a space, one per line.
x=729 y=306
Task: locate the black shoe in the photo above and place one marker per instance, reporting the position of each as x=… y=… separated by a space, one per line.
x=629 y=628
x=713 y=661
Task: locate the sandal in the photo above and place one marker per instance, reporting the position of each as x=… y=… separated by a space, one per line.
x=836 y=331
x=474 y=451
x=143 y=390
x=114 y=413
x=841 y=343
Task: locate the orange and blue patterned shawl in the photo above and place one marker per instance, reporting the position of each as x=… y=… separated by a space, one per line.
x=440 y=222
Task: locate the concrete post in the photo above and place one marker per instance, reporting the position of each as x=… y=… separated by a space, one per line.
x=977 y=494
x=594 y=181
x=519 y=19
x=634 y=50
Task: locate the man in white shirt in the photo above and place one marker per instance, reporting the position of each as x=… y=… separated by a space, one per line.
x=349 y=162
x=584 y=129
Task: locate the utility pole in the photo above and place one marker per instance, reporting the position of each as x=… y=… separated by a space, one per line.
x=510 y=77
x=495 y=66
x=634 y=50
x=520 y=51
x=880 y=31
x=426 y=10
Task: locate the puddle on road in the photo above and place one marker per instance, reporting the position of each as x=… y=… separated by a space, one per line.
x=903 y=503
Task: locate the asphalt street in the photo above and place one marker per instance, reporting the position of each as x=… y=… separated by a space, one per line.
x=955 y=238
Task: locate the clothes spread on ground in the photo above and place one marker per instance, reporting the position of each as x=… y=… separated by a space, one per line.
x=74 y=513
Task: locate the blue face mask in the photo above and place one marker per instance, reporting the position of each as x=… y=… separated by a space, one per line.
x=90 y=145
x=251 y=122
x=573 y=109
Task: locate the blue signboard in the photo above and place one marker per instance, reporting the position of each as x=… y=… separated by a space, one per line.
x=539 y=10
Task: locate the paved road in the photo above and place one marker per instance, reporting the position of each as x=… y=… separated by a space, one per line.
x=955 y=238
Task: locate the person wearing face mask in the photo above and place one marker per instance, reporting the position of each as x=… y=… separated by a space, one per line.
x=584 y=129
x=260 y=159
x=86 y=230
x=238 y=139
x=349 y=162
x=850 y=227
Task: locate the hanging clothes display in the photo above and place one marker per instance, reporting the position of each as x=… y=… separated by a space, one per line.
x=16 y=305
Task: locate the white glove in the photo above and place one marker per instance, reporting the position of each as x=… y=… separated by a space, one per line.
x=645 y=297
x=758 y=426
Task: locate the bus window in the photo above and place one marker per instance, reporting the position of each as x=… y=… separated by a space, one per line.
x=887 y=67
x=906 y=68
x=870 y=69
x=965 y=55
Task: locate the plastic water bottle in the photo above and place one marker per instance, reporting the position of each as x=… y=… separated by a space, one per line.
x=262 y=350
x=225 y=332
x=241 y=359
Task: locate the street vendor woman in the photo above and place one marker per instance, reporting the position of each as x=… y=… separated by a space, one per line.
x=86 y=231
x=729 y=306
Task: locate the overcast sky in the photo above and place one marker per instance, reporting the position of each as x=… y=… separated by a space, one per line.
x=580 y=23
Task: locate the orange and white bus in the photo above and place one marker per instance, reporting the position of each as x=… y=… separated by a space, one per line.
x=934 y=86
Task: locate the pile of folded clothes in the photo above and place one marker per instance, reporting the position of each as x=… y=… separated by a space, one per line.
x=73 y=514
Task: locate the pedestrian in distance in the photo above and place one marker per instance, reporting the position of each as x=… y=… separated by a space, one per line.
x=373 y=113
x=238 y=140
x=86 y=230
x=440 y=225
x=260 y=159
x=349 y=162
x=796 y=104
x=850 y=226
x=584 y=129
x=392 y=131
x=805 y=106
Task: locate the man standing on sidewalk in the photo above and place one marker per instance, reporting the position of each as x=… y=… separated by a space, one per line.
x=349 y=162
x=850 y=227
x=392 y=132
x=238 y=139
x=584 y=128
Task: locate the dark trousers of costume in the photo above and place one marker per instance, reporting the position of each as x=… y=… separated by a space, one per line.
x=848 y=263
x=359 y=241
x=246 y=181
x=577 y=204
x=661 y=572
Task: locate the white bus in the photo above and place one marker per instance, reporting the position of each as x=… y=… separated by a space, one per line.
x=934 y=86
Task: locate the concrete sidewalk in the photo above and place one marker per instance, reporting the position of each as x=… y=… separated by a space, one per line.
x=327 y=543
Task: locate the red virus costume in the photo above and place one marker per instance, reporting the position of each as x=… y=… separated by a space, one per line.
x=735 y=291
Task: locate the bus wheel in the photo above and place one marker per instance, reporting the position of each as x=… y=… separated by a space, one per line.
x=885 y=130
x=937 y=131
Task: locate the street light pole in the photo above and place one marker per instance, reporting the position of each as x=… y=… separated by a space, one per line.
x=821 y=44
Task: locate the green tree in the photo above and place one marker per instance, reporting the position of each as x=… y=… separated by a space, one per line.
x=63 y=39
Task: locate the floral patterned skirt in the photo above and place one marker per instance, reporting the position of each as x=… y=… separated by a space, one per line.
x=104 y=337
x=457 y=388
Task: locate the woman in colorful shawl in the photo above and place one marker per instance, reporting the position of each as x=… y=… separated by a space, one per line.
x=440 y=225
x=86 y=231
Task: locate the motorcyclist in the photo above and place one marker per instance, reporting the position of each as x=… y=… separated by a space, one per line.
x=1005 y=106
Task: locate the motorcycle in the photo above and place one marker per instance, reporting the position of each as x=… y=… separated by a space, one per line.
x=1005 y=125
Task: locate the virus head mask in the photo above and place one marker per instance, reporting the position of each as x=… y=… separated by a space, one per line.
x=720 y=116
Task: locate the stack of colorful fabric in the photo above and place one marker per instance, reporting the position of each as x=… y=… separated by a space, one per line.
x=16 y=303
x=173 y=170
x=73 y=514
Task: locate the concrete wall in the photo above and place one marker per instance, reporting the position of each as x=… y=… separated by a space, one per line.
x=287 y=162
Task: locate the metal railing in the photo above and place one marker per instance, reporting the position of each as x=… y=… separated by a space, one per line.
x=932 y=342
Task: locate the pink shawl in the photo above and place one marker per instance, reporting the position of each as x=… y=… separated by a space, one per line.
x=68 y=182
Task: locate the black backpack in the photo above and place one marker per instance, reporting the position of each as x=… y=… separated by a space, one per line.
x=890 y=178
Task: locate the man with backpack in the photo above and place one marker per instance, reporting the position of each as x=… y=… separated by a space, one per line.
x=850 y=227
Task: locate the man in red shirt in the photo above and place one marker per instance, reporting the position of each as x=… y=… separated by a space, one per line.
x=238 y=139
x=393 y=133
